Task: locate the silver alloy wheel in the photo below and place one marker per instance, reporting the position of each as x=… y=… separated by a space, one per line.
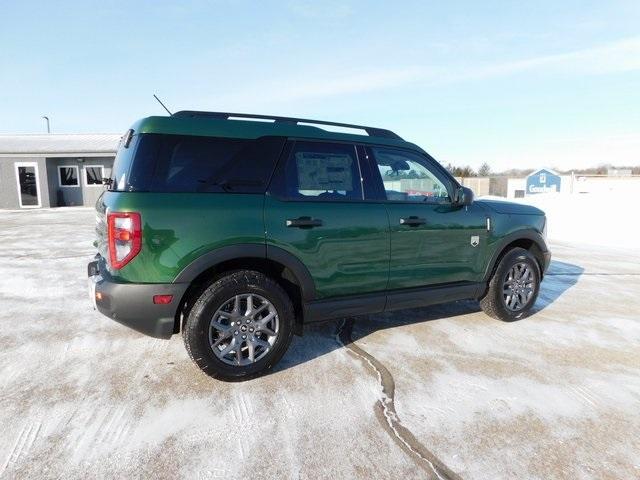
x=243 y=329
x=518 y=287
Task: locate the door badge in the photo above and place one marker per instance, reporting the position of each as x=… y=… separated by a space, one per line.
x=475 y=240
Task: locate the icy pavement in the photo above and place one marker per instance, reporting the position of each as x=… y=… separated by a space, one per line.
x=556 y=395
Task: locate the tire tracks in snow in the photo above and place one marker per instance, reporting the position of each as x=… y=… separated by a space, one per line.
x=385 y=409
x=22 y=444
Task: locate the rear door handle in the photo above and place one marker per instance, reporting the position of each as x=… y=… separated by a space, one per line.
x=304 y=222
x=412 y=221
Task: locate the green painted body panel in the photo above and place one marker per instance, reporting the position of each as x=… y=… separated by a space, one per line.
x=508 y=218
x=505 y=224
x=177 y=228
x=360 y=248
x=439 y=251
x=347 y=255
x=509 y=208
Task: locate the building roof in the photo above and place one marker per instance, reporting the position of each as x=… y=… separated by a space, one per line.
x=59 y=144
x=548 y=171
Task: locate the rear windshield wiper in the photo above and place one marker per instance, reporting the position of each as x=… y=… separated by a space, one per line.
x=227 y=185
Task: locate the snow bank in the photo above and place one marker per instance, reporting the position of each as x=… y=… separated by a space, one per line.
x=608 y=220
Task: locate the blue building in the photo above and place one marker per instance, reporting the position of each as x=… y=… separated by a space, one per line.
x=543 y=181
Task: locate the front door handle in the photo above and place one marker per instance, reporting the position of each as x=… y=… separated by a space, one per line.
x=304 y=222
x=412 y=221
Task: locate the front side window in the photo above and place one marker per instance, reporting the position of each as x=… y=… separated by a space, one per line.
x=93 y=175
x=408 y=177
x=322 y=171
x=68 y=176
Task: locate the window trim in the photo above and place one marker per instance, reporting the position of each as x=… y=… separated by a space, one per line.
x=450 y=184
x=285 y=157
x=86 y=180
x=60 y=167
x=374 y=187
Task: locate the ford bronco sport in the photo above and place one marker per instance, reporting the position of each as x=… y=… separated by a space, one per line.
x=237 y=230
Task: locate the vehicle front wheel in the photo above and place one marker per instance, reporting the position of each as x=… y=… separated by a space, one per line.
x=240 y=326
x=514 y=287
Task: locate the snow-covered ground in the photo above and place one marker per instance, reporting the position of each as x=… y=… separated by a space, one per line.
x=599 y=219
x=556 y=395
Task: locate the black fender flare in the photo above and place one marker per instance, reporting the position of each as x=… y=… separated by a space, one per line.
x=526 y=234
x=251 y=250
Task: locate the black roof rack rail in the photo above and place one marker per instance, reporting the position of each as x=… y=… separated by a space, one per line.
x=371 y=131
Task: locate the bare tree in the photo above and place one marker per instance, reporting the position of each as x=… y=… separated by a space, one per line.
x=485 y=170
x=464 y=172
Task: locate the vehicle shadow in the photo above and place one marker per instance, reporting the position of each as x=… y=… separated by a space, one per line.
x=560 y=277
x=319 y=340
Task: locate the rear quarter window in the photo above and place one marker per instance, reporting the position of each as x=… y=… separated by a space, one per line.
x=195 y=164
x=122 y=165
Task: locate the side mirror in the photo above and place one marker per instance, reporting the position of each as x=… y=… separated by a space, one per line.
x=464 y=196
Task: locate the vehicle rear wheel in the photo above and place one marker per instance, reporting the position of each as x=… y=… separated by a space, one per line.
x=240 y=326
x=514 y=287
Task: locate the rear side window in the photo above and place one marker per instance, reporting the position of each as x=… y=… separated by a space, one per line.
x=194 y=164
x=319 y=170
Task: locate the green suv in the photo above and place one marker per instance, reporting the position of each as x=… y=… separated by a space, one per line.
x=238 y=230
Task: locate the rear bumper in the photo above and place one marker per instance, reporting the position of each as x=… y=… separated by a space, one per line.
x=131 y=304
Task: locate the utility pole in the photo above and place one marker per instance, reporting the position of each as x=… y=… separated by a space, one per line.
x=48 y=127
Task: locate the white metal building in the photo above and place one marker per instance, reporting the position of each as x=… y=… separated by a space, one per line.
x=576 y=183
x=54 y=170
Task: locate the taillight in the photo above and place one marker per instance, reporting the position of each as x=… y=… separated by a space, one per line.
x=162 y=299
x=125 y=237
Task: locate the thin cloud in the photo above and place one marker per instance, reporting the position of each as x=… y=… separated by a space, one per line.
x=617 y=57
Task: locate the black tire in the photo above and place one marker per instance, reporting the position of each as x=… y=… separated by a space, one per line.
x=493 y=303
x=195 y=332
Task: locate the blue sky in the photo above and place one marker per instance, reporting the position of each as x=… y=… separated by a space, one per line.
x=513 y=83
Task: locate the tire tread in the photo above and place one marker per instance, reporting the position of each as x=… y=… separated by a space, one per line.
x=192 y=327
x=491 y=303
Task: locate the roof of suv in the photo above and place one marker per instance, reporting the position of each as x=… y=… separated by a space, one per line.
x=236 y=125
